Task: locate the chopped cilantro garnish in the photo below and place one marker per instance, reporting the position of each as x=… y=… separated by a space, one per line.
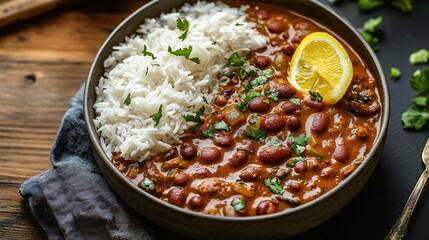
x=239 y=24
x=296 y=101
x=370 y=4
x=298 y=144
x=419 y=57
x=128 y=100
x=214 y=42
x=272 y=94
x=395 y=73
x=157 y=116
x=147 y=53
x=266 y=100
x=403 y=5
x=205 y=100
x=149 y=184
x=283 y=137
x=369 y=28
x=183 y=25
x=275 y=142
x=238 y=205
x=244 y=73
x=255 y=133
x=184 y=52
x=262 y=78
x=293 y=161
x=195 y=118
x=274 y=186
x=315 y=96
x=371 y=40
x=210 y=132
x=235 y=61
x=417 y=116
x=242 y=106
x=222 y=126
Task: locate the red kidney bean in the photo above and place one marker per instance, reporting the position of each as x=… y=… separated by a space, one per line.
x=285 y=91
x=273 y=123
x=176 y=196
x=258 y=105
x=289 y=107
x=341 y=154
x=297 y=38
x=181 y=179
x=288 y=49
x=262 y=14
x=238 y=158
x=313 y=104
x=266 y=207
x=300 y=167
x=293 y=123
x=251 y=173
x=320 y=122
x=261 y=61
x=210 y=155
x=276 y=26
x=274 y=154
x=203 y=172
x=223 y=141
x=283 y=172
x=196 y=202
x=170 y=154
x=188 y=151
x=293 y=186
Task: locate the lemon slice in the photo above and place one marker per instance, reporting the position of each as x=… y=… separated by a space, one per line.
x=321 y=64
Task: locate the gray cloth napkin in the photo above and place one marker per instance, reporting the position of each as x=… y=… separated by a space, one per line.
x=72 y=200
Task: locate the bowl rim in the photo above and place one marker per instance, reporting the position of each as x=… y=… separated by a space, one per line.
x=95 y=139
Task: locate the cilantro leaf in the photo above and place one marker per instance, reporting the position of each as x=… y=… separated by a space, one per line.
x=296 y=101
x=235 y=61
x=205 y=100
x=255 y=133
x=238 y=205
x=403 y=5
x=244 y=73
x=414 y=118
x=183 y=25
x=420 y=80
x=210 y=132
x=157 y=116
x=149 y=184
x=370 y=4
x=315 y=96
x=395 y=74
x=274 y=186
x=262 y=78
x=184 y=52
x=419 y=57
x=242 y=106
x=275 y=143
x=422 y=100
x=222 y=126
x=371 y=24
x=195 y=118
x=127 y=100
x=298 y=144
x=371 y=40
x=145 y=52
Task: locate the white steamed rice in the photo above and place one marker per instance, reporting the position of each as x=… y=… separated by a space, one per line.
x=177 y=83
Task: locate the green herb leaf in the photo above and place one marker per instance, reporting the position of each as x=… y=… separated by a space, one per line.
x=298 y=144
x=262 y=78
x=274 y=186
x=422 y=100
x=371 y=40
x=333 y=1
x=210 y=132
x=414 y=118
x=128 y=100
x=238 y=205
x=419 y=57
x=403 y=5
x=296 y=101
x=370 y=4
x=242 y=106
x=239 y=24
x=255 y=133
x=395 y=73
x=246 y=72
x=371 y=24
x=315 y=96
x=222 y=126
x=275 y=143
x=157 y=116
x=184 y=52
x=266 y=100
x=183 y=25
x=149 y=184
x=420 y=80
x=205 y=100
x=214 y=42
x=195 y=118
x=235 y=61
x=147 y=53
x=293 y=161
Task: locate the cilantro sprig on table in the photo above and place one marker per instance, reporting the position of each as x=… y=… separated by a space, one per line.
x=369 y=27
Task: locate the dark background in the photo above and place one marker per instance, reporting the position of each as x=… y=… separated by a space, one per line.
x=375 y=209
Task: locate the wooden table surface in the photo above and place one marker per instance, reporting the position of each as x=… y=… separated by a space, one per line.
x=43 y=62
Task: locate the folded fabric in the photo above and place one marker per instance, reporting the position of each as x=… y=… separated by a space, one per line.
x=72 y=200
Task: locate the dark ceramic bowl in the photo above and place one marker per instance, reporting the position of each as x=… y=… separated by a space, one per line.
x=274 y=226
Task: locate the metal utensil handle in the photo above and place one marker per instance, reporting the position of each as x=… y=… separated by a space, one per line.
x=399 y=230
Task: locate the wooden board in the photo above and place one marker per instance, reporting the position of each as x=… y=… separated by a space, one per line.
x=43 y=62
